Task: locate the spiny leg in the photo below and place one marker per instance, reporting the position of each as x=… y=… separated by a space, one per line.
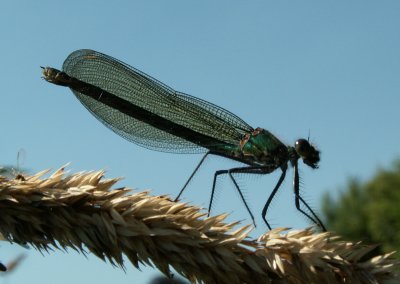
x=230 y=172
x=298 y=198
x=242 y=197
x=191 y=176
x=319 y=222
x=271 y=196
x=216 y=174
x=221 y=172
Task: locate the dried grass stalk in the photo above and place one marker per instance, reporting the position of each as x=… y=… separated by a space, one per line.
x=82 y=212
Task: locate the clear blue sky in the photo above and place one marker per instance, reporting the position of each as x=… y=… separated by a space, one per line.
x=329 y=68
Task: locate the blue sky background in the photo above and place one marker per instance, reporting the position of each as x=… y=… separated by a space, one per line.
x=329 y=68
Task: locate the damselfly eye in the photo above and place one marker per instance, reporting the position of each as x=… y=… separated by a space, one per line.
x=302 y=147
x=307 y=152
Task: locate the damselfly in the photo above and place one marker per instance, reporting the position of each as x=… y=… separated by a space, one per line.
x=151 y=114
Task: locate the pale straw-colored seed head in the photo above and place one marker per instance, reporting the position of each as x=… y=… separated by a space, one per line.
x=82 y=212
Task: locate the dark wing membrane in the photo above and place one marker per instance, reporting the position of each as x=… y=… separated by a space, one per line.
x=146 y=92
x=136 y=131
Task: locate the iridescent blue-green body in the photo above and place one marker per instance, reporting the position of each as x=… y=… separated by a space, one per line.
x=151 y=114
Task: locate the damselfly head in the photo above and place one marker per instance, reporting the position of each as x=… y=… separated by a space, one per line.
x=55 y=76
x=307 y=152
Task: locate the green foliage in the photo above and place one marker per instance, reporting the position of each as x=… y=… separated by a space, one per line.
x=6 y=171
x=368 y=211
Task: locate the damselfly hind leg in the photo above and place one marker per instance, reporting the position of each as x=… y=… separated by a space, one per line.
x=191 y=176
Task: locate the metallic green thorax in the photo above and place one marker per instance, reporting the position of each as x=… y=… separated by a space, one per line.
x=262 y=148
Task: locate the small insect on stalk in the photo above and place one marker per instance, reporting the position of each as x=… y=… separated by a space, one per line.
x=152 y=115
x=20 y=160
